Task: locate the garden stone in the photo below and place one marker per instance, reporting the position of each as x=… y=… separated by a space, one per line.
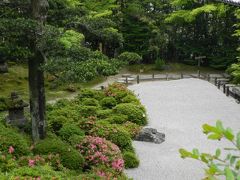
x=16 y=111
x=3 y=67
x=150 y=135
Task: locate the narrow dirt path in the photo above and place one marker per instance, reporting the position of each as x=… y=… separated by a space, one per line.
x=179 y=108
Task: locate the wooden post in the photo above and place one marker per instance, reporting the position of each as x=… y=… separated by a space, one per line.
x=102 y=88
x=219 y=84
x=227 y=93
x=126 y=80
x=181 y=75
x=167 y=77
x=138 y=79
x=208 y=77
x=224 y=88
x=153 y=76
x=199 y=74
x=215 y=81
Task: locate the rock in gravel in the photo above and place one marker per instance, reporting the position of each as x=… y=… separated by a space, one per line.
x=150 y=135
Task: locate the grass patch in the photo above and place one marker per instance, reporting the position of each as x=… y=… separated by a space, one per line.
x=17 y=80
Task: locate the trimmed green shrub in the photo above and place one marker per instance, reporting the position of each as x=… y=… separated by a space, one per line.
x=90 y=93
x=108 y=102
x=87 y=111
x=132 y=128
x=135 y=113
x=90 y=102
x=69 y=130
x=117 y=119
x=130 y=99
x=114 y=133
x=159 y=64
x=70 y=157
x=75 y=139
x=102 y=114
x=3 y=104
x=19 y=142
x=130 y=160
x=130 y=57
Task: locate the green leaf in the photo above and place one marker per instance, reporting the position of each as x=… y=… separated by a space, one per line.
x=219 y=126
x=233 y=159
x=228 y=134
x=208 y=129
x=215 y=136
x=229 y=174
x=218 y=153
x=184 y=153
x=237 y=164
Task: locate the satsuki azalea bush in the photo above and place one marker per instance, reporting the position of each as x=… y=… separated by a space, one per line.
x=217 y=165
x=99 y=151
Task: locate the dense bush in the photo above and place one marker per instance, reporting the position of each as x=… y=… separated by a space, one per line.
x=130 y=99
x=117 y=119
x=108 y=102
x=11 y=138
x=132 y=128
x=130 y=57
x=69 y=130
x=234 y=71
x=135 y=113
x=130 y=159
x=90 y=93
x=70 y=157
x=159 y=64
x=89 y=102
x=102 y=114
x=114 y=133
x=3 y=104
x=99 y=151
x=87 y=111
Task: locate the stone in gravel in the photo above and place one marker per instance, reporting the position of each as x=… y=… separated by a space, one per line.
x=150 y=135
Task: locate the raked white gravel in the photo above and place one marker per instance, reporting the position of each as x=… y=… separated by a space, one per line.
x=178 y=109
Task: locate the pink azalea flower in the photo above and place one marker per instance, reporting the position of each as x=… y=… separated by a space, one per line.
x=10 y=150
x=118 y=164
x=31 y=162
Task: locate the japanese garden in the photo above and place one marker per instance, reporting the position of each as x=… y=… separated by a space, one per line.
x=119 y=89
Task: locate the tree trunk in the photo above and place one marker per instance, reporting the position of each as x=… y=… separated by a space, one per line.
x=36 y=74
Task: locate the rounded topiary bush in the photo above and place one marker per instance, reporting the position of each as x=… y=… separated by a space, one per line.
x=98 y=151
x=69 y=130
x=70 y=157
x=9 y=137
x=130 y=159
x=87 y=111
x=135 y=113
x=130 y=57
x=102 y=114
x=89 y=102
x=132 y=128
x=108 y=102
x=130 y=99
x=114 y=133
x=117 y=119
x=90 y=93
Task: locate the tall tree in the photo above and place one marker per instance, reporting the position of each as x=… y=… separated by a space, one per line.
x=36 y=74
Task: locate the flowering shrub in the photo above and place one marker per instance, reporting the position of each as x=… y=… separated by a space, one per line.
x=99 y=151
x=132 y=128
x=88 y=124
x=114 y=133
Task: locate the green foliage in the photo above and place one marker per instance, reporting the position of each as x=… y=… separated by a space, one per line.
x=102 y=114
x=87 y=111
x=130 y=160
x=132 y=128
x=89 y=102
x=130 y=57
x=159 y=64
x=108 y=102
x=90 y=93
x=70 y=157
x=10 y=137
x=114 y=133
x=218 y=166
x=134 y=112
x=130 y=99
x=3 y=104
x=117 y=119
x=234 y=71
x=71 y=38
x=68 y=130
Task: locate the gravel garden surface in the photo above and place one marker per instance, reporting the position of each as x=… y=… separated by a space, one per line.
x=179 y=108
